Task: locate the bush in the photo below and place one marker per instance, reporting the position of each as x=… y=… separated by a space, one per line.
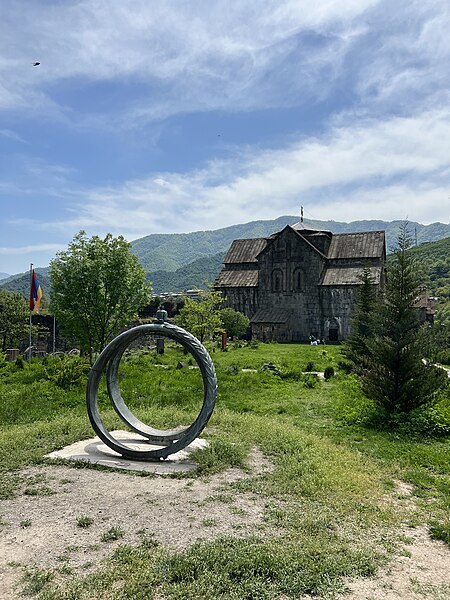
x=291 y=375
x=254 y=344
x=345 y=366
x=20 y=364
x=271 y=368
x=310 y=381
x=67 y=371
x=310 y=367
x=444 y=356
x=430 y=421
x=328 y=373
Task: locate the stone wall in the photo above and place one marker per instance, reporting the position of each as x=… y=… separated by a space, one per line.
x=338 y=303
x=289 y=273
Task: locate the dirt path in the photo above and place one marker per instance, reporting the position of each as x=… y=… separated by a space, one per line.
x=421 y=573
x=41 y=526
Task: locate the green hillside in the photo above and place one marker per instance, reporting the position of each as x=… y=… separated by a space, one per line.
x=169 y=252
x=21 y=283
x=176 y=262
x=434 y=258
x=197 y=274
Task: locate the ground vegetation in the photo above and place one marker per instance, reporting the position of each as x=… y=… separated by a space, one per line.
x=329 y=506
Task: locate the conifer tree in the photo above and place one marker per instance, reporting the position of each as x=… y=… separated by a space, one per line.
x=363 y=322
x=395 y=374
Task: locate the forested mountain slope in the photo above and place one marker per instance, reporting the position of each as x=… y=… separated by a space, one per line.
x=176 y=262
x=169 y=252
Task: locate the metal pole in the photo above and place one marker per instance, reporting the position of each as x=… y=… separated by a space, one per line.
x=30 y=340
x=54 y=334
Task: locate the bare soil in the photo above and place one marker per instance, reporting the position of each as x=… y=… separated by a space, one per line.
x=41 y=526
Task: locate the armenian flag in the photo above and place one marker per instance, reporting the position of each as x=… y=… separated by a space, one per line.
x=35 y=293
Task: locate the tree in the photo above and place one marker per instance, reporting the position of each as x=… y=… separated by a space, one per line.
x=395 y=374
x=363 y=322
x=202 y=317
x=14 y=315
x=98 y=286
x=234 y=322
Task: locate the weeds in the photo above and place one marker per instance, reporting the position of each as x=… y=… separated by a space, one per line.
x=84 y=522
x=113 y=534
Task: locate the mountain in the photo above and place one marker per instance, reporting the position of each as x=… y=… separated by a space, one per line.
x=434 y=260
x=4 y=275
x=21 y=282
x=169 y=252
x=197 y=274
x=179 y=261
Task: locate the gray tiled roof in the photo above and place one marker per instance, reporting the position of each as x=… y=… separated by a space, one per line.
x=270 y=315
x=231 y=278
x=369 y=244
x=348 y=275
x=245 y=251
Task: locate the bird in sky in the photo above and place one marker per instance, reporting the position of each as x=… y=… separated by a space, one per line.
x=36 y=64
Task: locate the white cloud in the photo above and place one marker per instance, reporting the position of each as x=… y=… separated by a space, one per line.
x=200 y=56
x=31 y=249
x=371 y=169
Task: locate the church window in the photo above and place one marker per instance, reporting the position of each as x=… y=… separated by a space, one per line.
x=298 y=280
x=277 y=280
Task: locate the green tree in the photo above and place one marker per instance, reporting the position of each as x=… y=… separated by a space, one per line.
x=234 y=322
x=202 y=317
x=98 y=286
x=395 y=374
x=14 y=315
x=363 y=322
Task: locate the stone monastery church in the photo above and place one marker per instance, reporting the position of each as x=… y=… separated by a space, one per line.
x=300 y=282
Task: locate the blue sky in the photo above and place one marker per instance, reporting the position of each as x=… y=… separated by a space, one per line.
x=153 y=116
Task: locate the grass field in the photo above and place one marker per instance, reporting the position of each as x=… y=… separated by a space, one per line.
x=331 y=492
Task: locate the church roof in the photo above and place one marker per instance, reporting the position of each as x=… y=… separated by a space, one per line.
x=270 y=315
x=245 y=251
x=302 y=228
x=232 y=278
x=348 y=275
x=368 y=244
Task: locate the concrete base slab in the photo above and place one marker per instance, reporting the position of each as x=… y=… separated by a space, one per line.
x=94 y=451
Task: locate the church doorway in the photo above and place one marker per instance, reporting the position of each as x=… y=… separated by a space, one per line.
x=333 y=334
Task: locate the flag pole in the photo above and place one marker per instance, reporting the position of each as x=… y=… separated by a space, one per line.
x=31 y=312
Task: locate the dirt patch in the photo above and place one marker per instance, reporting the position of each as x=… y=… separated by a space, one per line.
x=41 y=527
x=424 y=572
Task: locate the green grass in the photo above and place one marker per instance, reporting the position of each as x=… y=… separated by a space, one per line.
x=326 y=496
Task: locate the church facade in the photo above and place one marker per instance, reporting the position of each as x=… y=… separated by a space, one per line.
x=300 y=282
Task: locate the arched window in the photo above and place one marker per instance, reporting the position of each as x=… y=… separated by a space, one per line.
x=298 y=280
x=277 y=280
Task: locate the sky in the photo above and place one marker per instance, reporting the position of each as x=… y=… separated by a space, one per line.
x=165 y=116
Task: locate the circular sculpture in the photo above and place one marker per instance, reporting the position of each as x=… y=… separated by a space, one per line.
x=171 y=440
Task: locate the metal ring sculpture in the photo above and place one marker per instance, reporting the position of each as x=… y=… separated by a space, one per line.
x=171 y=440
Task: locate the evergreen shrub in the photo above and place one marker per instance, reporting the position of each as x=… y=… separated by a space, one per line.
x=328 y=373
x=444 y=356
